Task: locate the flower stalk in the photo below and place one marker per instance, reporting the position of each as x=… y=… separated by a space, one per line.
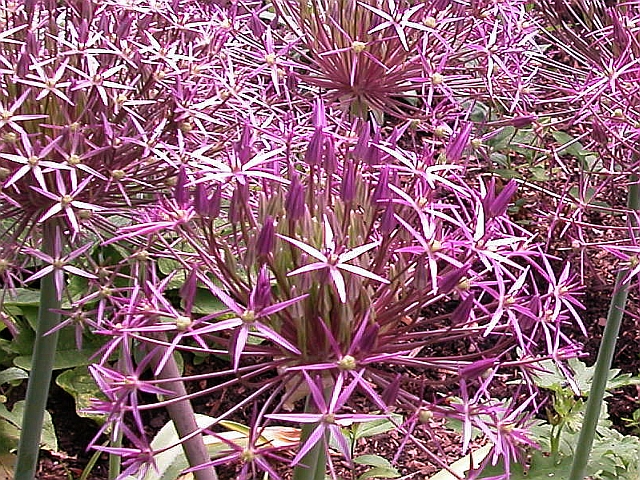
x=44 y=351
x=183 y=417
x=605 y=353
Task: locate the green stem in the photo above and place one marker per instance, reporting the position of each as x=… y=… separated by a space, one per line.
x=605 y=357
x=314 y=464
x=92 y=463
x=44 y=351
x=183 y=417
x=115 y=461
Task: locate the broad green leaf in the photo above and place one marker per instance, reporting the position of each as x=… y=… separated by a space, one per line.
x=206 y=303
x=553 y=379
x=77 y=287
x=12 y=374
x=10 y=421
x=479 y=112
x=461 y=466
x=539 y=174
x=168 y=266
x=30 y=313
x=64 y=359
x=373 y=461
x=569 y=145
x=7 y=461
x=21 y=297
x=507 y=174
x=172 y=461
x=79 y=383
x=542 y=467
x=376 y=427
x=380 y=472
x=502 y=140
x=502 y=160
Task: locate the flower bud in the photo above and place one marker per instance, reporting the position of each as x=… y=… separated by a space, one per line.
x=388 y=221
x=315 y=149
x=266 y=239
x=477 y=369
x=496 y=205
x=451 y=280
x=381 y=190
x=390 y=393
x=243 y=146
x=180 y=190
x=361 y=149
x=294 y=201
x=523 y=121
x=261 y=294
x=599 y=133
x=461 y=314
x=458 y=143
x=348 y=187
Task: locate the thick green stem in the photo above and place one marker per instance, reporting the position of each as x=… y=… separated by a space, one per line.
x=115 y=461
x=183 y=417
x=314 y=464
x=605 y=357
x=44 y=351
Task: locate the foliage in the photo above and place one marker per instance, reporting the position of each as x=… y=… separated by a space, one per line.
x=614 y=455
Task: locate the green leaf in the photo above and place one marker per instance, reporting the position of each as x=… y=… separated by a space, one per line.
x=569 y=145
x=168 y=266
x=507 y=174
x=542 y=467
x=539 y=174
x=502 y=139
x=236 y=427
x=77 y=287
x=31 y=314
x=553 y=379
x=380 y=472
x=172 y=461
x=459 y=468
x=501 y=159
x=206 y=303
x=79 y=383
x=376 y=427
x=7 y=462
x=373 y=461
x=64 y=359
x=10 y=421
x=12 y=374
x=592 y=163
x=21 y=297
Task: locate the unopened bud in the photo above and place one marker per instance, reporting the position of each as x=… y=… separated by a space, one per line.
x=347 y=363
x=266 y=239
x=183 y=323
x=424 y=416
x=358 y=47
x=437 y=78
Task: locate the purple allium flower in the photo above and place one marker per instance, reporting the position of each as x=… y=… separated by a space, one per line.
x=331 y=259
x=321 y=252
x=327 y=420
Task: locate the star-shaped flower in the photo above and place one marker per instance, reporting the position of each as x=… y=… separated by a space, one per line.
x=330 y=259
